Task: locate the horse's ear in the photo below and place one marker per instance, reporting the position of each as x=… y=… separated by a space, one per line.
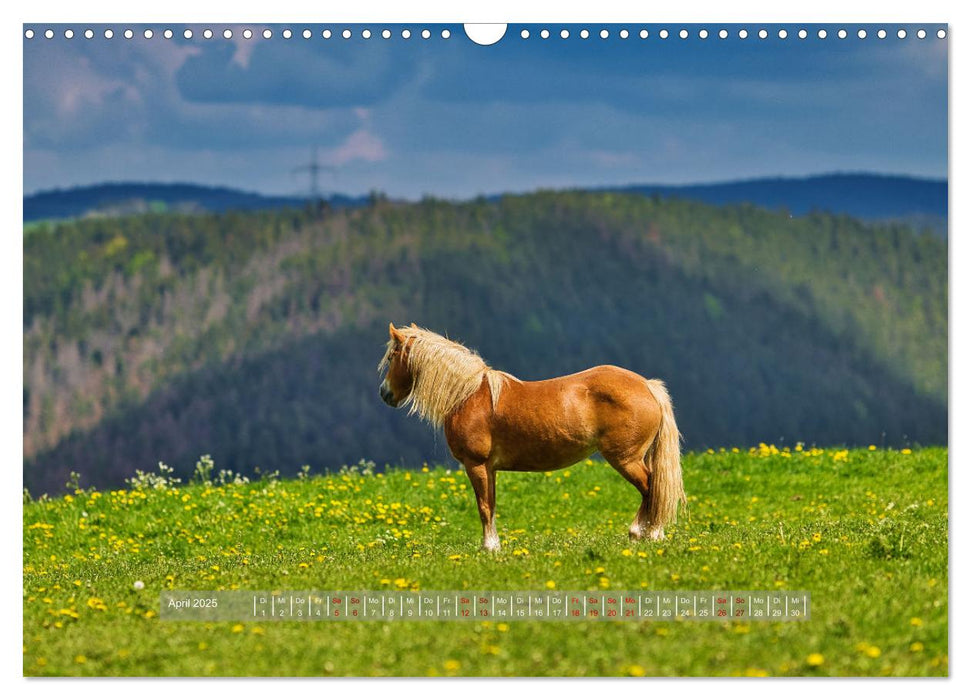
x=395 y=333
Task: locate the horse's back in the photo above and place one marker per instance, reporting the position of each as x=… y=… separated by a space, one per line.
x=581 y=391
x=605 y=384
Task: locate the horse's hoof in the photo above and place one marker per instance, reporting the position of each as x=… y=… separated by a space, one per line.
x=656 y=534
x=490 y=546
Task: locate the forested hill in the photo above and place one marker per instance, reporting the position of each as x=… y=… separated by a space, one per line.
x=121 y=198
x=254 y=336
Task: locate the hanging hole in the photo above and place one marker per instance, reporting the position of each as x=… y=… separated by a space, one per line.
x=486 y=34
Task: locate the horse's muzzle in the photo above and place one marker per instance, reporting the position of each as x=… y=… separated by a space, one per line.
x=387 y=396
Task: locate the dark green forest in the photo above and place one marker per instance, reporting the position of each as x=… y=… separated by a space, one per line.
x=254 y=336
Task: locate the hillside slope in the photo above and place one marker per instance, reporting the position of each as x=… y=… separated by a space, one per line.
x=254 y=337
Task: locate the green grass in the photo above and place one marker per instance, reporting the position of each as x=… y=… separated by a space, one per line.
x=865 y=531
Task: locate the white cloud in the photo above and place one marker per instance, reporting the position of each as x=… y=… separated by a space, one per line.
x=361 y=145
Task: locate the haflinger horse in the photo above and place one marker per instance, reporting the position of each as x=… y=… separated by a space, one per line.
x=496 y=422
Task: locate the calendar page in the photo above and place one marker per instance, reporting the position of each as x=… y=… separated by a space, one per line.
x=542 y=349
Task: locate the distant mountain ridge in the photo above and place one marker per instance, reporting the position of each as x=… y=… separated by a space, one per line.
x=918 y=202
x=119 y=198
x=921 y=202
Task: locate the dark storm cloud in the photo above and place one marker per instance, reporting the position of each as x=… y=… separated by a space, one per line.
x=125 y=93
x=308 y=73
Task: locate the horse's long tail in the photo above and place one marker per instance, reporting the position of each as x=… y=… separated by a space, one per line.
x=663 y=460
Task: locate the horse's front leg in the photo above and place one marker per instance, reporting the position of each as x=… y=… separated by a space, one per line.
x=484 y=484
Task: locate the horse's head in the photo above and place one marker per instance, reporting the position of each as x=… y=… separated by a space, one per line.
x=398 y=382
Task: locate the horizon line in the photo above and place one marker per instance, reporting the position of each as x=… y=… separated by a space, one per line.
x=589 y=187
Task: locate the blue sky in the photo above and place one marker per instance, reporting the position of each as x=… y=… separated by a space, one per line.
x=450 y=118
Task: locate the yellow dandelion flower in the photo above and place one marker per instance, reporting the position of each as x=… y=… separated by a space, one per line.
x=551 y=584
x=916 y=647
x=916 y=622
x=815 y=659
x=636 y=671
x=872 y=651
x=452 y=665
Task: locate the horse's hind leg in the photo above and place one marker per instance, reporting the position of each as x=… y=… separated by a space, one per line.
x=635 y=471
x=484 y=484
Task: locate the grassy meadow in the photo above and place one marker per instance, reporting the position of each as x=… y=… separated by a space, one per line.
x=864 y=530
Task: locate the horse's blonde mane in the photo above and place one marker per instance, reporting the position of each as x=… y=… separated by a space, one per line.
x=445 y=374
